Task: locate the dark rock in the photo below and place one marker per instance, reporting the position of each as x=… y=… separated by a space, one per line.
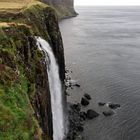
x=87 y=96
x=76 y=107
x=80 y=128
x=80 y=137
x=75 y=121
x=108 y=113
x=84 y=102
x=92 y=114
x=77 y=85
x=101 y=104
x=83 y=115
x=114 y=106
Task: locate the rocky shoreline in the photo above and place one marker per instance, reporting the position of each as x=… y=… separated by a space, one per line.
x=76 y=116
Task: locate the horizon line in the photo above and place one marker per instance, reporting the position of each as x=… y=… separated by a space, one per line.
x=108 y=5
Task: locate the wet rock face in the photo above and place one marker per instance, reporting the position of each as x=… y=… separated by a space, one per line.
x=40 y=99
x=51 y=22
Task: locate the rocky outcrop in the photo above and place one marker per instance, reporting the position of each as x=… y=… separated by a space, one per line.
x=64 y=8
x=68 y=3
x=25 y=108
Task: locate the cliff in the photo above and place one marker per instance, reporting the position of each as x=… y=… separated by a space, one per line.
x=25 y=108
x=64 y=8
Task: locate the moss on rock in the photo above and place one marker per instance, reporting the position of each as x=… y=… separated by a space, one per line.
x=17 y=119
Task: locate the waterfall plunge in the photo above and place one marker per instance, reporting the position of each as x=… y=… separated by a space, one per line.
x=55 y=90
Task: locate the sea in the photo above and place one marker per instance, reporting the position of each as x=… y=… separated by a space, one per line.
x=102 y=48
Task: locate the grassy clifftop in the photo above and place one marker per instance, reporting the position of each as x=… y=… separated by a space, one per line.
x=25 y=109
x=14 y=4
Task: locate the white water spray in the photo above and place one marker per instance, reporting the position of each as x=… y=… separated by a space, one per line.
x=55 y=90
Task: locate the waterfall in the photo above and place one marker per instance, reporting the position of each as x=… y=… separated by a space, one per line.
x=55 y=90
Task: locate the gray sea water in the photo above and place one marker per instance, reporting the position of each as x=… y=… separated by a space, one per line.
x=102 y=48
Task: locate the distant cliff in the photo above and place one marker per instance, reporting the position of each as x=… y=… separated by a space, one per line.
x=64 y=8
x=60 y=2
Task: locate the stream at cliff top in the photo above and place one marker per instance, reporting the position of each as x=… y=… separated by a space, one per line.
x=102 y=48
x=55 y=90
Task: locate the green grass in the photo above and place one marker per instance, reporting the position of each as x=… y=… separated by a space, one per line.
x=16 y=114
x=17 y=120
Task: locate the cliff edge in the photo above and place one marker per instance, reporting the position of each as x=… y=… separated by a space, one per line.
x=64 y=8
x=25 y=108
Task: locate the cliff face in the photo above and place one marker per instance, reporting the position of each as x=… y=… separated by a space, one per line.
x=64 y=8
x=25 y=108
x=67 y=3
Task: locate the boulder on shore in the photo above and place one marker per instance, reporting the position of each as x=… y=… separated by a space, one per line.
x=84 y=102
x=108 y=113
x=101 y=104
x=77 y=85
x=87 y=96
x=92 y=114
x=114 y=106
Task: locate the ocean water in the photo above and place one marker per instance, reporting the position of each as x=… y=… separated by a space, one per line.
x=102 y=48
